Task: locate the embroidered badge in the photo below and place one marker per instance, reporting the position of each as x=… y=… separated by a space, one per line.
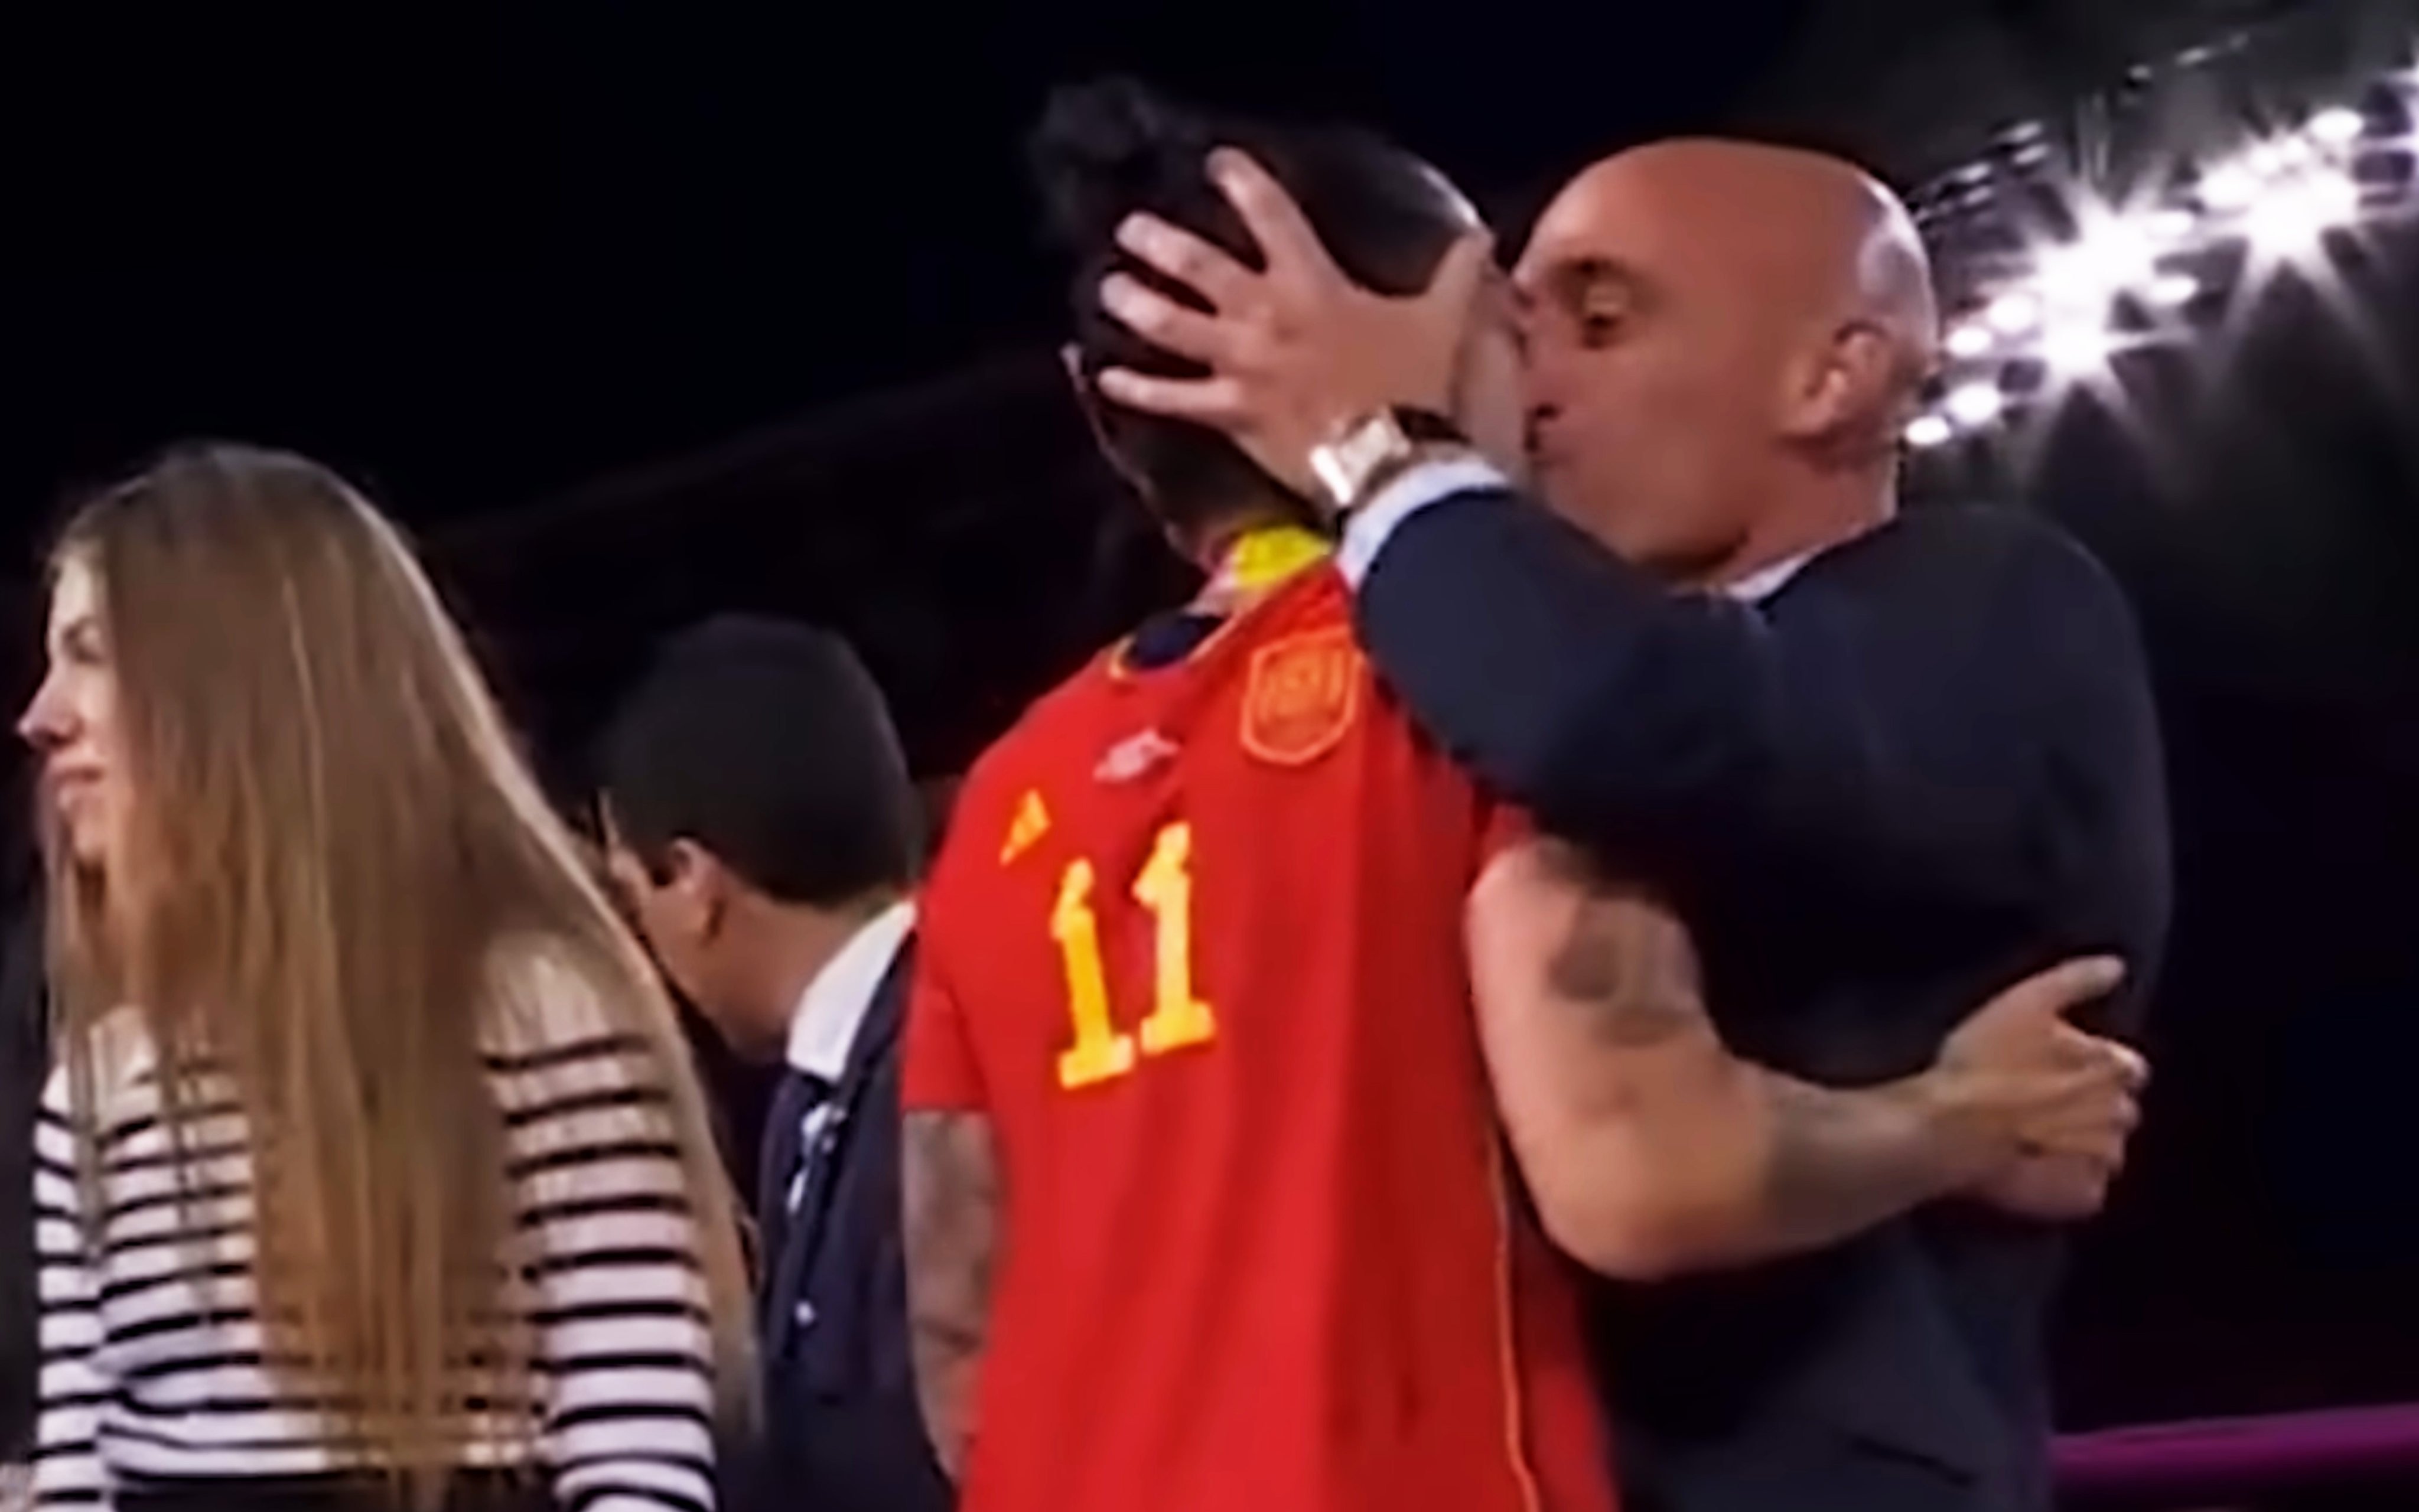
x=1302 y=696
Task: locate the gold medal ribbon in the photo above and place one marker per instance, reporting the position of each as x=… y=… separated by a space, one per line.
x=1261 y=559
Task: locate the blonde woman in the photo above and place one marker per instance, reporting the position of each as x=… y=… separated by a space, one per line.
x=376 y=1172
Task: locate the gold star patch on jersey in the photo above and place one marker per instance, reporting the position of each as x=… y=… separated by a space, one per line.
x=1031 y=823
x=1303 y=695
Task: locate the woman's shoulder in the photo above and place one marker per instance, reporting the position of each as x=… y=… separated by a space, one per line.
x=556 y=1004
x=108 y=1059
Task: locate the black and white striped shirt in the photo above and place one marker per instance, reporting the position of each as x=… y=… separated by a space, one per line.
x=152 y=1361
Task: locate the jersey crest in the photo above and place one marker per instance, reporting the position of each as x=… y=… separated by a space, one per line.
x=1302 y=695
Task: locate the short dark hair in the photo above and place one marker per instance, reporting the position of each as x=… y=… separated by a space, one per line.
x=766 y=744
x=1111 y=148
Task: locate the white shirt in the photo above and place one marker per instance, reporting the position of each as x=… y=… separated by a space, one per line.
x=1374 y=523
x=834 y=1006
x=824 y=1030
x=1766 y=581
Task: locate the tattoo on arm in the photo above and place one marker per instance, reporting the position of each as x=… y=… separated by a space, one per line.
x=1626 y=963
x=951 y=1187
x=1841 y=1162
x=1832 y=1163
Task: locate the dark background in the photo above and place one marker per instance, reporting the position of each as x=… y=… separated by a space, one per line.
x=634 y=313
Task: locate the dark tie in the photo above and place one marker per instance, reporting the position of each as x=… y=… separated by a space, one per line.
x=798 y=1103
x=814 y=1108
x=794 y=1146
x=794 y=1102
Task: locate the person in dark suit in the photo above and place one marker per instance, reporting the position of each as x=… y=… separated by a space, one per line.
x=760 y=823
x=1879 y=763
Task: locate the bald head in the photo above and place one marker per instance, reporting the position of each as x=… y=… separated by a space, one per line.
x=1779 y=225
x=1719 y=331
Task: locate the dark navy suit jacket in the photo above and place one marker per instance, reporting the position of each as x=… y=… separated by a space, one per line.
x=1927 y=764
x=842 y=1428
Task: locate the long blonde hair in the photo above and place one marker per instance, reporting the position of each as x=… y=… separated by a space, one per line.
x=332 y=840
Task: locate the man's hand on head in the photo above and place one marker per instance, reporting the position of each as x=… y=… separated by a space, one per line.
x=1297 y=352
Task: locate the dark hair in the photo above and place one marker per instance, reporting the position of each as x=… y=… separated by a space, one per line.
x=767 y=744
x=1108 y=149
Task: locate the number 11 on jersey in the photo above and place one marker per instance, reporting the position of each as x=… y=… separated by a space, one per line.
x=1100 y=1050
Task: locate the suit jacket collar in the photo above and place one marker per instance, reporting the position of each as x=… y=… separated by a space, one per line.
x=792 y=1245
x=885 y=1014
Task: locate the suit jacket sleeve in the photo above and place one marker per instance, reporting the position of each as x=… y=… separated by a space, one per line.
x=1684 y=736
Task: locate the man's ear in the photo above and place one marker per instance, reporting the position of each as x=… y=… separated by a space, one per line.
x=1849 y=393
x=1088 y=402
x=697 y=886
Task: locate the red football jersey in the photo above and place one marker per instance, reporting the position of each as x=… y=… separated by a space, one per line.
x=1195 y=946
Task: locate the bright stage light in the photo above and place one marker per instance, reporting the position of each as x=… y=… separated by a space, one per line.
x=2336 y=128
x=2172 y=225
x=1966 y=341
x=2280 y=194
x=1928 y=431
x=2280 y=156
x=2170 y=291
x=2092 y=270
x=2229 y=186
x=2074 y=349
x=2013 y=313
x=1975 y=404
x=2293 y=216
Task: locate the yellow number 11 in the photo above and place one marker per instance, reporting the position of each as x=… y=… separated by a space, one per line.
x=1100 y=1050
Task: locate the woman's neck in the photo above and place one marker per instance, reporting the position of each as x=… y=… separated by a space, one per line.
x=1249 y=557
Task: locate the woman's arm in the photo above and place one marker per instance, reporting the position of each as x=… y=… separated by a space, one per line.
x=622 y=1311
x=73 y=1387
x=1651 y=1151
x=950 y=1177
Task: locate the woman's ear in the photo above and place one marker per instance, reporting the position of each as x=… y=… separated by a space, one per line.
x=1088 y=401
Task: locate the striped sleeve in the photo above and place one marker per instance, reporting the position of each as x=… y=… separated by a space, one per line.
x=72 y=1386
x=622 y=1309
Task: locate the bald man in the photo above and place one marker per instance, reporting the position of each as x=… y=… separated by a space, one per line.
x=1880 y=763
x=1773 y=321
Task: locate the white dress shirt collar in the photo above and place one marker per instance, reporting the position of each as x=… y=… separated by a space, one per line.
x=835 y=1004
x=1766 y=581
